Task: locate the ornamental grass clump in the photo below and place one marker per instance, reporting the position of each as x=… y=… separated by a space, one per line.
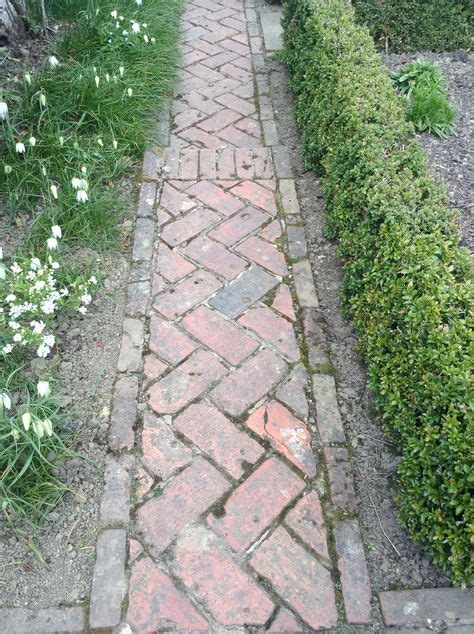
x=407 y=283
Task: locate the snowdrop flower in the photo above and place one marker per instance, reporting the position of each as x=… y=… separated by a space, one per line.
x=55 y=265
x=86 y=299
x=26 y=420
x=153 y=40
x=16 y=268
x=129 y=92
x=32 y=141
x=43 y=99
x=48 y=427
x=3 y=275
x=35 y=264
x=121 y=71
x=82 y=196
x=8 y=169
x=5 y=401
x=7 y=349
x=52 y=243
x=76 y=183
x=61 y=141
x=10 y=298
x=139 y=2
x=43 y=170
x=146 y=39
x=38 y=427
x=84 y=169
x=20 y=147
x=53 y=61
x=107 y=77
x=135 y=27
x=28 y=78
x=114 y=14
x=115 y=144
x=83 y=310
x=54 y=191
x=56 y=231
x=17 y=338
x=3 y=110
x=93 y=279
x=43 y=388
x=100 y=142
x=97 y=80
x=124 y=32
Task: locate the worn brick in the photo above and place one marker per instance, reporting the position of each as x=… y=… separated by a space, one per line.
x=220 y=120
x=240 y=225
x=281 y=156
x=298 y=578
x=188 y=381
x=189 y=293
x=304 y=284
x=143 y=482
x=171 y=265
x=242 y=106
x=146 y=200
x=250 y=509
x=285 y=622
x=270 y=133
x=256 y=195
x=186 y=497
x=289 y=197
x=115 y=502
x=296 y=241
x=243 y=292
x=327 y=410
x=454 y=606
x=292 y=392
x=315 y=337
x=239 y=138
x=124 y=411
x=249 y=383
x=353 y=570
x=215 y=257
x=220 y=439
x=271 y=232
x=264 y=254
x=207 y=163
x=306 y=519
x=168 y=341
x=175 y=201
x=43 y=621
x=216 y=198
x=273 y=329
x=131 y=346
x=108 y=581
x=340 y=477
x=283 y=302
x=220 y=335
x=152 y=163
x=143 y=240
x=153 y=367
x=135 y=549
x=188 y=226
x=210 y=573
x=162 y=452
x=156 y=605
x=138 y=295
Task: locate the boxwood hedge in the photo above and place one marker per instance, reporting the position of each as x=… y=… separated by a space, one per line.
x=406 y=278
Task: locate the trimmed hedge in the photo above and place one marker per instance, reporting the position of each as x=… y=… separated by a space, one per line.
x=406 y=278
x=418 y=25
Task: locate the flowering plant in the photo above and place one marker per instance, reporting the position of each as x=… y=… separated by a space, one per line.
x=31 y=297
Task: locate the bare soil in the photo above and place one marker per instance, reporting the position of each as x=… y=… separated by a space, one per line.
x=374 y=459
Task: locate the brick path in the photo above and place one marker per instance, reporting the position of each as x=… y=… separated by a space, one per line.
x=229 y=523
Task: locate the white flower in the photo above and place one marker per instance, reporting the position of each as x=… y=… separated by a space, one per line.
x=76 y=183
x=5 y=401
x=56 y=231
x=15 y=268
x=129 y=92
x=32 y=141
x=139 y=2
x=8 y=169
x=93 y=279
x=86 y=299
x=61 y=141
x=97 y=80
x=3 y=110
x=35 y=264
x=53 y=61
x=17 y=338
x=38 y=327
x=54 y=191
x=28 y=78
x=26 y=420
x=82 y=310
x=43 y=99
x=43 y=388
x=52 y=243
x=124 y=32
x=135 y=27
x=20 y=147
x=48 y=340
x=115 y=144
x=82 y=196
x=146 y=39
x=38 y=427
x=107 y=77
x=7 y=349
x=10 y=298
x=84 y=169
x=121 y=71
x=43 y=170
x=48 y=427
x=40 y=284
x=14 y=325
x=114 y=14
x=100 y=142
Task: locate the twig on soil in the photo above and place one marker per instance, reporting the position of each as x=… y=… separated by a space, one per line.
x=381 y=526
x=381 y=440
x=72 y=530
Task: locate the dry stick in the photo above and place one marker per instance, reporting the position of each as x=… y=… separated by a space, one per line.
x=382 y=528
x=381 y=440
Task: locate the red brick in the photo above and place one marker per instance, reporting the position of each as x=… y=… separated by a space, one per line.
x=287 y=434
x=242 y=106
x=210 y=573
x=162 y=452
x=273 y=329
x=263 y=163
x=189 y=293
x=226 y=165
x=220 y=335
x=188 y=381
x=220 y=439
x=201 y=138
x=306 y=519
x=292 y=392
x=272 y=232
x=283 y=302
x=240 y=225
x=264 y=254
x=189 y=226
x=191 y=57
x=238 y=138
x=298 y=578
x=215 y=257
x=155 y=604
x=236 y=47
x=186 y=119
x=285 y=622
x=219 y=88
x=353 y=569
x=215 y=197
x=244 y=163
x=186 y=497
x=202 y=103
x=254 y=505
x=202 y=45
x=207 y=163
x=144 y=482
x=340 y=477
x=249 y=125
x=153 y=367
x=168 y=342
x=249 y=383
x=220 y=120
x=256 y=195
x=217 y=60
x=206 y=73
x=135 y=549
x=174 y=201
x=124 y=411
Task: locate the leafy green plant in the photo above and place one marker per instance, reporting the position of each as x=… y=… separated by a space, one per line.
x=407 y=283
x=425 y=87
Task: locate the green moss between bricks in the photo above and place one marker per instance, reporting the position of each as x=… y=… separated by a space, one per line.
x=406 y=278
